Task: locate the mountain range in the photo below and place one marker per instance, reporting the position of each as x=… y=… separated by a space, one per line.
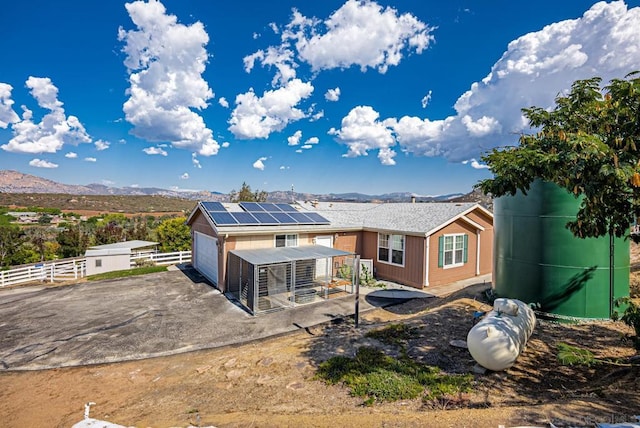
x=17 y=182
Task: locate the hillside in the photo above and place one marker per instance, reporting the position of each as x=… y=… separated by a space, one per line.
x=21 y=189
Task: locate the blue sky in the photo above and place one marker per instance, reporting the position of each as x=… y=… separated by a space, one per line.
x=328 y=96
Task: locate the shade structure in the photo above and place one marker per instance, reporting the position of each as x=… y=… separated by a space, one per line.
x=262 y=256
x=267 y=279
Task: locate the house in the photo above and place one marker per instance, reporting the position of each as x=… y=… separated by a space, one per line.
x=117 y=256
x=415 y=244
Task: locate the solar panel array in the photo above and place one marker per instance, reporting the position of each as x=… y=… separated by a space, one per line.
x=260 y=213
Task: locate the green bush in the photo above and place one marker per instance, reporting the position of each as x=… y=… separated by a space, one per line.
x=393 y=334
x=377 y=377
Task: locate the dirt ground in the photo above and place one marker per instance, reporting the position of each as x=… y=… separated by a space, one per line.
x=271 y=383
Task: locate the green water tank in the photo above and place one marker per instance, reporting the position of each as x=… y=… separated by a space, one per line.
x=538 y=260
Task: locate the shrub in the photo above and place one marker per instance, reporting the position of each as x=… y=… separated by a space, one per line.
x=377 y=377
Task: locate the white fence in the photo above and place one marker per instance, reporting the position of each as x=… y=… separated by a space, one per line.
x=73 y=269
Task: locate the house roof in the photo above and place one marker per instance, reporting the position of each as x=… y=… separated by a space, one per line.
x=261 y=256
x=405 y=218
x=131 y=245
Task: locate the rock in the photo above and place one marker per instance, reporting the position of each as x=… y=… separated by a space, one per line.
x=266 y=361
x=457 y=343
x=203 y=369
x=295 y=385
x=235 y=374
x=478 y=369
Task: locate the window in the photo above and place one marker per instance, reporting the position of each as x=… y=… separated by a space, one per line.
x=287 y=240
x=453 y=250
x=98 y=263
x=391 y=248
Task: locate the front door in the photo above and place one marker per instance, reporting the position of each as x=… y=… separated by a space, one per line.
x=323 y=267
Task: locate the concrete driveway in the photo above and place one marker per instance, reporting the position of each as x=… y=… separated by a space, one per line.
x=138 y=317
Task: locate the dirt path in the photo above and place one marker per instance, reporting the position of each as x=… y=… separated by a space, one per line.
x=271 y=383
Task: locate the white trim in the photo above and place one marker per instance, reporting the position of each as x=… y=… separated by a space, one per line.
x=286 y=239
x=426 y=265
x=453 y=255
x=389 y=240
x=461 y=215
x=477 y=252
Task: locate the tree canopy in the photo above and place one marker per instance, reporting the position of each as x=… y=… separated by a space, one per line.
x=588 y=144
x=246 y=195
x=174 y=235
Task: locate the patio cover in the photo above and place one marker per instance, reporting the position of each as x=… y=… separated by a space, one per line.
x=263 y=256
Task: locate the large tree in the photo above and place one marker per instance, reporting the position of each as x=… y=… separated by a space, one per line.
x=11 y=238
x=589 y=144
x=174 y=235
x=246 y=195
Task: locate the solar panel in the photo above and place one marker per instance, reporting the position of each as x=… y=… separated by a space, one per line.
x=251 y=206
x=270 y=208
x=283 y=218
x=244 y=218
x=222 y=218
x=300 y=217
x=265 y=218
x=317 y=218
x=286 y=208
x=213 y=206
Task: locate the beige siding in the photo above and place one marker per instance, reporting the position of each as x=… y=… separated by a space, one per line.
x=411 y=274
x=439 y=275
x=486 y=240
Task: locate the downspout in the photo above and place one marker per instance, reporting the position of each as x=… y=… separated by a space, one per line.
x=478 y=252
x=426 y=265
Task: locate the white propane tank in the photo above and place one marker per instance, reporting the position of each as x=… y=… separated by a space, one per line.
x=499 y=338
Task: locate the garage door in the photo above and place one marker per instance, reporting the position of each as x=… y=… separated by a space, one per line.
x=206 y=257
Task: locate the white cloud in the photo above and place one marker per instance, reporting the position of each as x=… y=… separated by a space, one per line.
x=54 y=130
x=107 y=182
x=259 y=164
x=41 y=163
x=102 y=145
x=332 y=94
x=535 y=68
x=361 y=131
x=299 y=151
x=165 y=61
x=258 y=117
x=226 y=144
x=90 y=159
x=360 y=33
x=425 y=100
x=184 y=176
x=155 y=151
x=475 y=164
x=306 y=146
x=223 y=102
x=7 y=114
x=294 y=139
x=312 y=140
x=71 y=155
x=195 y=161
x=282 y=167
x=279 y=57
